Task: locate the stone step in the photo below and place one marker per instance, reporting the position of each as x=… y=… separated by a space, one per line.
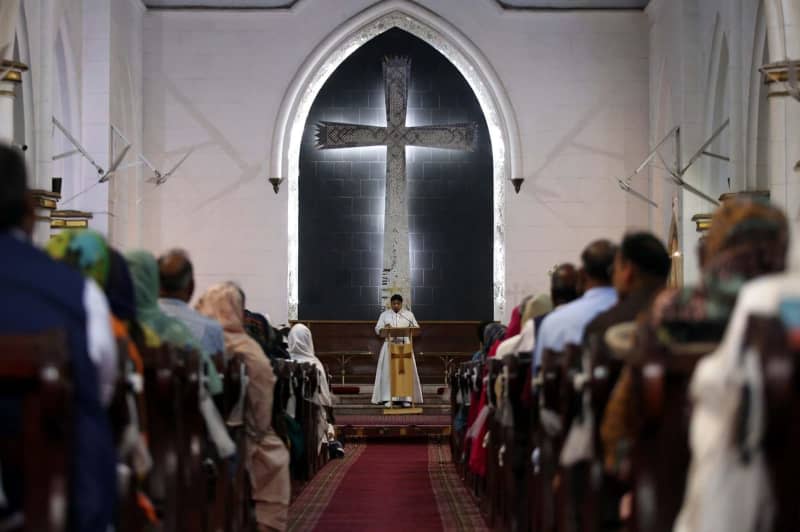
x=362 y=399
x=376 y=410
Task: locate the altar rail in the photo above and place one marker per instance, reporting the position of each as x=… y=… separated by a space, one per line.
x=350 y=349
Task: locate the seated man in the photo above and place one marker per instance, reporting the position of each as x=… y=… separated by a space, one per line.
x=176 y=276
x=38 y=295
x=565 y=325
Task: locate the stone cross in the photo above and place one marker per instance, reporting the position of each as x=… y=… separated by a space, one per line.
x=396 y=136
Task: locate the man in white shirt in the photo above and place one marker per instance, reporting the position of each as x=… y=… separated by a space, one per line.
x=394 y=317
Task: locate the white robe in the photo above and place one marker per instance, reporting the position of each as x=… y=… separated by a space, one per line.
x=382 y=391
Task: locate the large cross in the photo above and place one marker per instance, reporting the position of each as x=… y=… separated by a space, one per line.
x=396 y=136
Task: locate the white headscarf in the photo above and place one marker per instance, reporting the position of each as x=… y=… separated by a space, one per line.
x=301 y=349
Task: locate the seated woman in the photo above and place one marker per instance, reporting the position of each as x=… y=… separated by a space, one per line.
x=301 y=349
x=267 y=458
x=88 y=252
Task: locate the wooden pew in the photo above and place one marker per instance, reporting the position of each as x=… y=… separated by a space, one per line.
x=35 y=391
x=193 y=451
x=177 y=437
x=493 y=501
x=604 y=491
x=549 y=442
x=777 y=344
x=661 y=453
x=162 y=411
x=517 y=442
x=237 y=513
x=300 y=380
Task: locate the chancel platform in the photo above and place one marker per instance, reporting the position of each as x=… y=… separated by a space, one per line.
x=350 y=349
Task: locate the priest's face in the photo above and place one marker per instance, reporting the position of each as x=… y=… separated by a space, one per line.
x=397 y=305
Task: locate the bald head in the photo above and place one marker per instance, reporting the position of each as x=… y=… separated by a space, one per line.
x=564 y=284
x=597 y=261
x=176 y=275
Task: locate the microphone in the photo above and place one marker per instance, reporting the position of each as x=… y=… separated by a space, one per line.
x=415 y=324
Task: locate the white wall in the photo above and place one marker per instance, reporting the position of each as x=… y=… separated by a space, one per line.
x=686 y=90
x=126 y=114
x=214 y=81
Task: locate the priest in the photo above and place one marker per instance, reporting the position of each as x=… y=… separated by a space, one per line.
x=394 y=317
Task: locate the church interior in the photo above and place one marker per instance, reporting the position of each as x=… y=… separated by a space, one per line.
x=391 y=265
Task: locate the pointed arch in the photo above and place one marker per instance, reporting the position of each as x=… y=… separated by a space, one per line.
x=717 y=108
x=460 y=51
x=758 y=111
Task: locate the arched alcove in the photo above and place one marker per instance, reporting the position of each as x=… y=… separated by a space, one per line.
x=448 y=192
x=465 y=57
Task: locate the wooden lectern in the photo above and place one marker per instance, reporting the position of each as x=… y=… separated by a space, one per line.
x=401 y=374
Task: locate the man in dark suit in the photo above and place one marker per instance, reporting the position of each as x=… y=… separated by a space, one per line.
x=39 y=295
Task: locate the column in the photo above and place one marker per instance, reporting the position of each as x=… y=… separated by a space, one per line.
x=10 y=78
x=9 y=75
x=783 y=36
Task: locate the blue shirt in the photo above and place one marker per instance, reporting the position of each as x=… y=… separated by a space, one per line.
x=206 y=330
x=565 y=324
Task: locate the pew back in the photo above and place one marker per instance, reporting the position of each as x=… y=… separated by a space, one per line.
x=35 y=436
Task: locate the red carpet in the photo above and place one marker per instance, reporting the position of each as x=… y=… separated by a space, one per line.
x=388 y=489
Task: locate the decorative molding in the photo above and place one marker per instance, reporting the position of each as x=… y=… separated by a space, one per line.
x=45 y=199
x=553 y=5
x=70 y=219
x=188 y=5
x=12 y=71
x=468 y=60
x=703 y=222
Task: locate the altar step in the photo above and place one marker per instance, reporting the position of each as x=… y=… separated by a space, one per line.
x=358 y=418
x=436 y=402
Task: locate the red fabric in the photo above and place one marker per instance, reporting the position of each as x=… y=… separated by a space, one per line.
x=387 y=489
x=478 y=454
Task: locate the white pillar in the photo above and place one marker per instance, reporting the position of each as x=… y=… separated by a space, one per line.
x=43 y=73
x=7 y=87
x=9 y=13
x=783 y=36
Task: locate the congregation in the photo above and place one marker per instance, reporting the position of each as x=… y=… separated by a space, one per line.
x=584 y=412
x=255 y=409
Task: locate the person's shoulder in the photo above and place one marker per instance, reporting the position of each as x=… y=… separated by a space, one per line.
x=23 y=260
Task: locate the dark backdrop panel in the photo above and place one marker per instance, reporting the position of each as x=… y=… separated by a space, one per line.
x=342 y=195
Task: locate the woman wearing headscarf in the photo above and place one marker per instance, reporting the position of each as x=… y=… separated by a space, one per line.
x=301 y=349
x=88 y=252
x=267 y=458
x=144 y=271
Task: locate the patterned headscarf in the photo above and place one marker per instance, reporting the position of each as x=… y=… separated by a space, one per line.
x=88 y=252
x=748 y=238
x=144 y=271
x=83 y=249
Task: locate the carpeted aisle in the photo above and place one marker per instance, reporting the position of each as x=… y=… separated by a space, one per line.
x=387 y=487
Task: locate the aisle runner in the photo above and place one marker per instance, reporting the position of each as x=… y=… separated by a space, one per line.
x=306 y=509
x=457 y=507
x=387 y=487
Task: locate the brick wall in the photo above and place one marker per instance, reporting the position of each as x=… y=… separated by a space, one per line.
x=342 y=195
